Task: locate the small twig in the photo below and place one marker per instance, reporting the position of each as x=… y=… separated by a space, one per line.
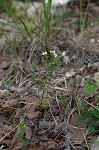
x=91 y=105
x=61 y=89
x=7 y=134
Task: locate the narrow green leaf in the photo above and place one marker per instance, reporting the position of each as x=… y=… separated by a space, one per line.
x=26 y=29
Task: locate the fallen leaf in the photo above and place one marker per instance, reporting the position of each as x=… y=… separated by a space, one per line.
x=28 y=133
x=14 y=143
x=70 y=73
x=31 y=102
x=96 y=76
x=79 y=131
x=51 y=145
x=2 y=119
x=45 y=124
x=8 y=109
x=11 y=103
x=4 y=64
x=6 y=142
x=33 y=114
x=37 y=146
x=3 y=132
x=4 y=92
x=44 y=104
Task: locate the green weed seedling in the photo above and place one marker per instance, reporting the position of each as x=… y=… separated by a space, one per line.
x=83 y=19
x=90 y=87
x=90 y=115
x=52 y=66
x=9 y=82
x=21 y=135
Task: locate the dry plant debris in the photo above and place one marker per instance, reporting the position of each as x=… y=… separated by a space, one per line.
x=35 y=114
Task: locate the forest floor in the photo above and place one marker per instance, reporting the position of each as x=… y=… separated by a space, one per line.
x=49 y=104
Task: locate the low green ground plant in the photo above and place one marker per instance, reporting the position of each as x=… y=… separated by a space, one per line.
x=21 y=135
x=89 y=113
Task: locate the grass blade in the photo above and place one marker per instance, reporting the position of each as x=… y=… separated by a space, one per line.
x=26 y=29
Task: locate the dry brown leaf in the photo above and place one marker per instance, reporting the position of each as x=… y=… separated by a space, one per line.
x=70 y=73
x=4 y=92
x=33 y=114
x=4 y=64
x=51 y=144
x=2 y=119
x=20 y=113
x=31 y=102
x=79 y=131
x=45 y=104
x=6 y=142
x=3 y=132
x=96 y=77
x=37 y=146
x=11 y=103
x=14 y=143
x=8 y=109
x=28 y=133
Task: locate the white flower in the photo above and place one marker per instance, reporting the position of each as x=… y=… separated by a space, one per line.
x=44 y=53
x=63 y=53
x=55 y=54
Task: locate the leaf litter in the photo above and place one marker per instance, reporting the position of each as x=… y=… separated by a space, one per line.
x=49 y=122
